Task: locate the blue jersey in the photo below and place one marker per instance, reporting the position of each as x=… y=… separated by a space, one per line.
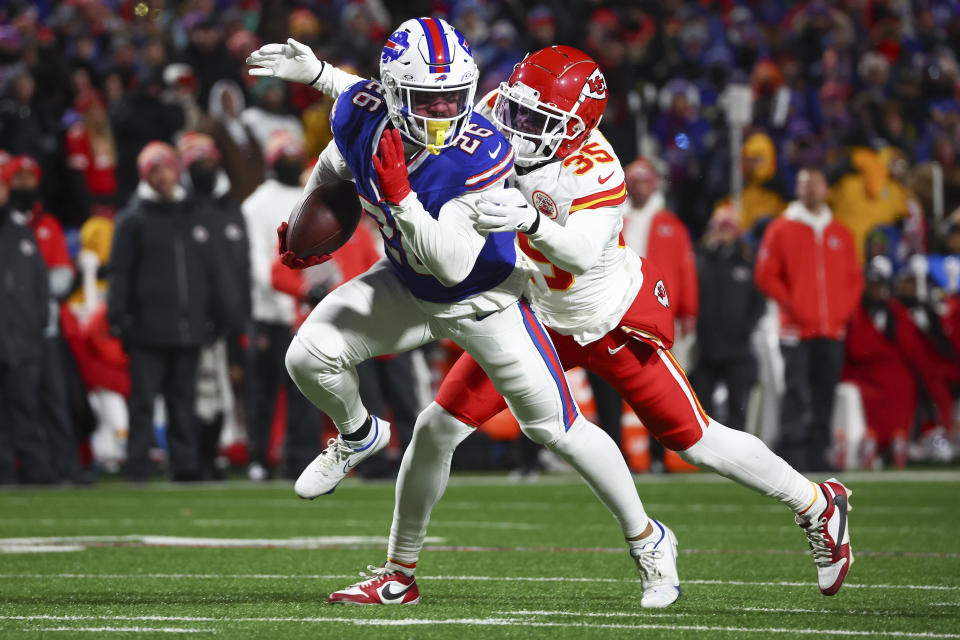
x=480 y=158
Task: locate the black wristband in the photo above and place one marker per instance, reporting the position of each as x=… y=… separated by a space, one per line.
x=323 y=65
x=536 y=225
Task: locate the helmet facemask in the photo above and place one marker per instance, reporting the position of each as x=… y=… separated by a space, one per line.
x=535 y=129
x=430 y=116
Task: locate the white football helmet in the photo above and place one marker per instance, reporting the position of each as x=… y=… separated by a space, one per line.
x=429 y=80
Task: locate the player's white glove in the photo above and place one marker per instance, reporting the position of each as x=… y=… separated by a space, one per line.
x=504 y=210
x=293 y=61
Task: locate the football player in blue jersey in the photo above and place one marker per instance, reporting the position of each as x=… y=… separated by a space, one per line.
x=422 y=160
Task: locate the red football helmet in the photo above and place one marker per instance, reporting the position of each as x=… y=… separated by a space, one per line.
x=552 y=101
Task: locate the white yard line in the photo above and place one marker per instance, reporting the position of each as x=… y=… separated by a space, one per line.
x=644 y=614
x=124 y=629
x=500 y=622
x=58 y=543
x=269 y=576
x=40 y=548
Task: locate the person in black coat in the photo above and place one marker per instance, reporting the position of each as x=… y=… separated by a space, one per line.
x=223 y=358
x=730 y=307
x=166 y=299
x=24 y=312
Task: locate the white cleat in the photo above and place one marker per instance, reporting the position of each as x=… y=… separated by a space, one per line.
x=657 y=565
x=334 y=463
x=828 y=535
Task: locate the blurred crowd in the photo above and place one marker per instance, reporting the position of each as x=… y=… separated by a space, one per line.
x=809 y=234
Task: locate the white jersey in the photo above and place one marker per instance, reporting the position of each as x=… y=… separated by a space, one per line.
x=590 y=182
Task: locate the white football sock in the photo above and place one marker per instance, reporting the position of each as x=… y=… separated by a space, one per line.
x=424 y=472
x=636 y=545
x=744 y=458
x=334 y=390
x=596 y=457
x=405 y=568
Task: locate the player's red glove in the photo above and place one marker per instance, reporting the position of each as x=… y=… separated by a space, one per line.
x=391 y=168
x=290 y=259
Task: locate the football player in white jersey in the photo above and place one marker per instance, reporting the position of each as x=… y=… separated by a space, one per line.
x=606 y=310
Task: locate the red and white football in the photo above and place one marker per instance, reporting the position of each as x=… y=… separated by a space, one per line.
x=323 y=219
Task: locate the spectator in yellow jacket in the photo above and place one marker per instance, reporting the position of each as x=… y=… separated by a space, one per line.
x=762 y=193
x=866 y=195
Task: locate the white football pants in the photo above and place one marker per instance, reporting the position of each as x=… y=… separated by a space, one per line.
x=375 y=314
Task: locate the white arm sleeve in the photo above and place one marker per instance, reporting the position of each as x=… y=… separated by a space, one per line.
x=448 y=246
x=333 y=81
x=577 y=247
x=330 y=166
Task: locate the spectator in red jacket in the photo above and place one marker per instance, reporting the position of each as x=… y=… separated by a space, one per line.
x=91 y=150
x=656 y=233
x=938 y=363
x=807 y=263
x=876 y=361
x=104 y=367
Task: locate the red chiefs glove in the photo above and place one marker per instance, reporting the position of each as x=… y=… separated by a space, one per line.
x=290 y=259
x=391 y=168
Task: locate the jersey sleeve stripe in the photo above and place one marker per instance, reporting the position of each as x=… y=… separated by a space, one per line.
x=611 y=198
x=600 y=194
x=490 y=175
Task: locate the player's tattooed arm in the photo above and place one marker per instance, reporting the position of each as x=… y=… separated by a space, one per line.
x=296 y=62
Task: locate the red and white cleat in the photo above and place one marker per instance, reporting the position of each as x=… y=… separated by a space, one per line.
x=382 y=587
x=829 y=537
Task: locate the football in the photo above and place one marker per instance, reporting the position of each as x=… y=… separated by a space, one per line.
x=323 y=220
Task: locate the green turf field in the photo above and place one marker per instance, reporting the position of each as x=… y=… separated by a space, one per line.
x=537 y=560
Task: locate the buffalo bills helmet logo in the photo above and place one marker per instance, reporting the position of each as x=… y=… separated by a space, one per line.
x=397 y=44
x=463 y=42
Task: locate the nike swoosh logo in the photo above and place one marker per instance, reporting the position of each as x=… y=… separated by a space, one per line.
x=350 y=464
x=613 y=351
x=840 y=502
x=388 y=594
x=496 y=152
x=602 y=180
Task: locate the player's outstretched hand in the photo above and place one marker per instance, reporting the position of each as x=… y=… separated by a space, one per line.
x=293 y=61
x=503 y=210
x=290 y=259
x=391 y=168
